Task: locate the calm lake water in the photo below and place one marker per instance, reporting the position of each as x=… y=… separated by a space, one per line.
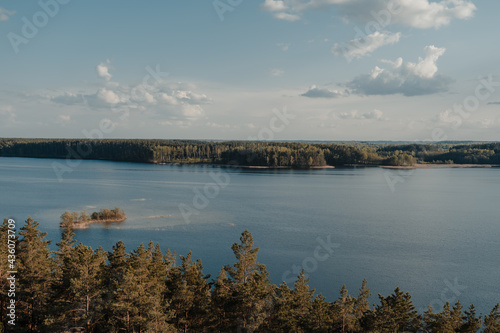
x=435 y=233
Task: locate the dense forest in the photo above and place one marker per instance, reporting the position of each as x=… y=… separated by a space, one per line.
x=79 y=289
x=254 y=153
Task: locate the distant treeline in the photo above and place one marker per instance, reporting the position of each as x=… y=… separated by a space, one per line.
x=78 y=289
x=253 y=153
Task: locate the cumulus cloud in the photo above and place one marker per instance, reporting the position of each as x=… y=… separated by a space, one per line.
x=281 y=10
x=409 y=79
x=103 y=70
x=5 y=14
x=363 y=46
x=354 y=114
x=315 y=92
x=422 y=14
x=166 y=100
x=177 y=101
x=102 y=98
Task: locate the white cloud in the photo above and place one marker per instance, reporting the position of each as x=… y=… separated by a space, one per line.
x=287 y=16
x=374 y=114
x=408 y=78
x=103 y=70
x=354 y=114
x=5 y=14
x=192 y=112
x=108 y=96
x=422 y=14
x=426 y=67
x=168 y=99
x=276 y=72
x=315 y=92
x=175 y=101
x=363 y=46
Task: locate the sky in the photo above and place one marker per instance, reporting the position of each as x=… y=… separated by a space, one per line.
x=333 y=70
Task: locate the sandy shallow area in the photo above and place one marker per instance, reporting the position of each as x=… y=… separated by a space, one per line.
x=434 y=166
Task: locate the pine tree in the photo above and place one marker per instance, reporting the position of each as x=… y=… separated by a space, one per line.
x=56 y=319
x=138 y=302
x=446 y=321
x=456 y=316
x=189 y=296
x=160 y=313
x=123 y=309
x=86 y=272
x=343 y=312
x=302 y=299
x=251 y=291
x=492 y=321
x=281 y=318
x=114 y=279
x=320 y=317
x=428 y=319
x=361 y=306
x=62 y=256
x=395 y=313
x=35 y=268
x=222 y=302
x=292 y=307
x=471 y=322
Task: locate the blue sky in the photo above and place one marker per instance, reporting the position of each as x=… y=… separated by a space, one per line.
x=341 y=69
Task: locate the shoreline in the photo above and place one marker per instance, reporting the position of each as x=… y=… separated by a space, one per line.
x=439 y=166
x=235 y=166
x=263 y=167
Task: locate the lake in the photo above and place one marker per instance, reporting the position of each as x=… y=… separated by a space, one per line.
x=432 y=232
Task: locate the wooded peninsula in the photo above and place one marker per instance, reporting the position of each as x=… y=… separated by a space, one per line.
x=256 y=153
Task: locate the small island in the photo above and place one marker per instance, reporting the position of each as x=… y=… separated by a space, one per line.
x=81 y=220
